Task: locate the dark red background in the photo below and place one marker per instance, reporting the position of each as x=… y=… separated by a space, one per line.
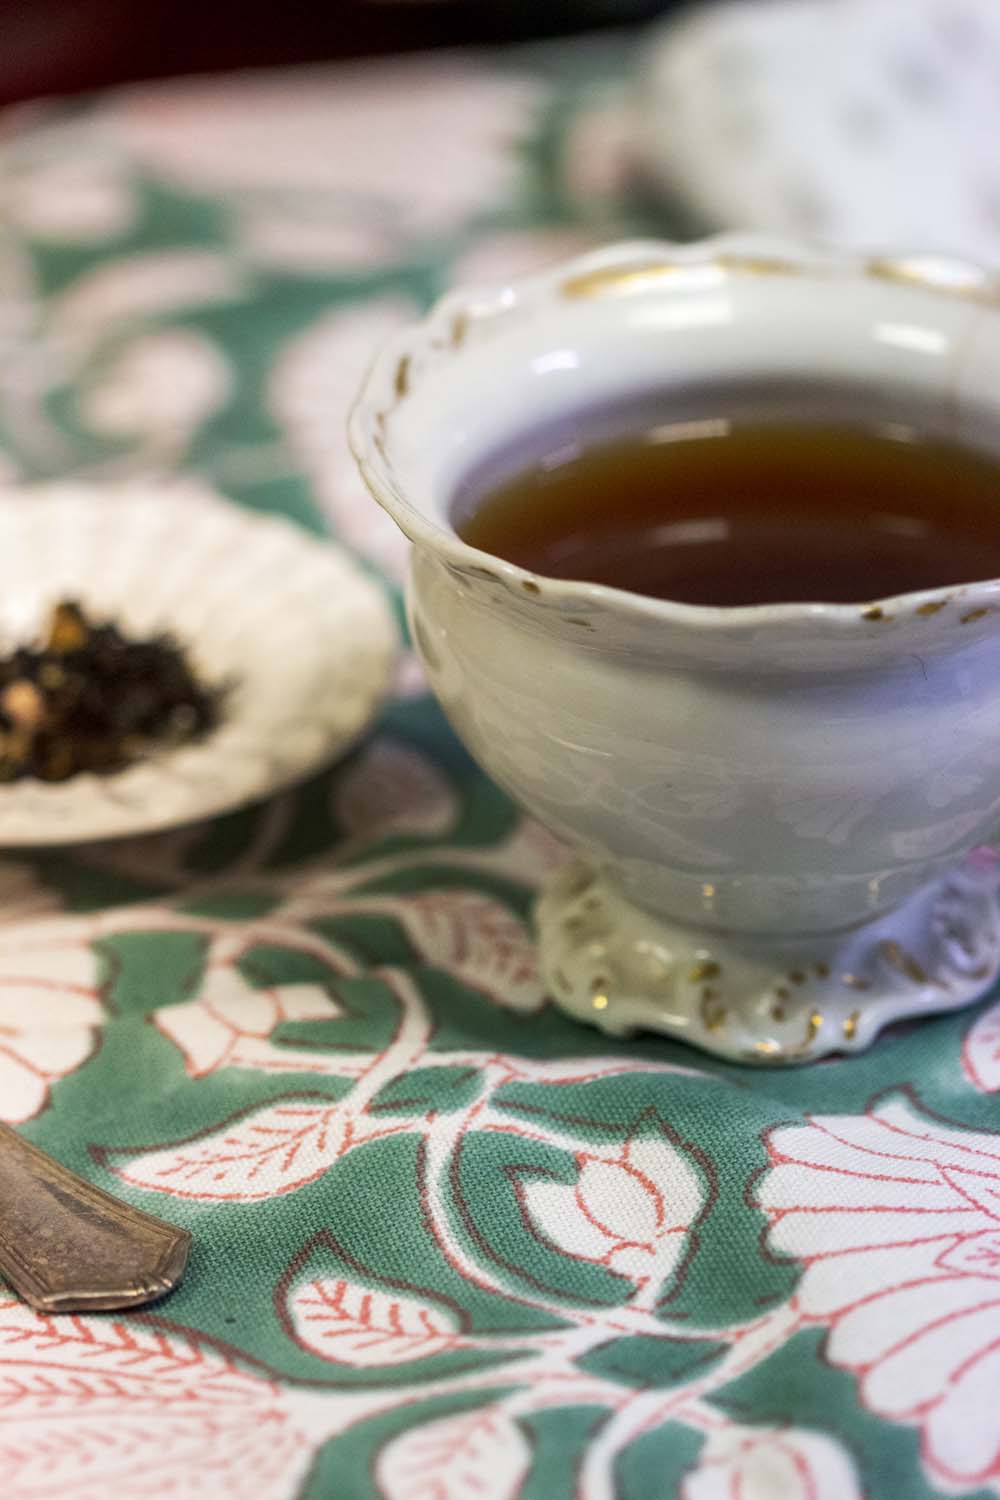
x=64 y=46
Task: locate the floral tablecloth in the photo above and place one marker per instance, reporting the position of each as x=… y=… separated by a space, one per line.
x=447 y=1244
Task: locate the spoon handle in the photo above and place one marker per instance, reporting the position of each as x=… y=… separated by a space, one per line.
x=67 y=1246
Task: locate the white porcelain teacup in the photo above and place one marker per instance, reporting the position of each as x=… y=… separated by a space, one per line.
x=779 y=810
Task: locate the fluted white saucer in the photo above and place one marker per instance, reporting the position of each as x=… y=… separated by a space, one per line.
x=304 y=635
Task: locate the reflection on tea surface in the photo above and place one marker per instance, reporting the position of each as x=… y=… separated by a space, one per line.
x=726 y=511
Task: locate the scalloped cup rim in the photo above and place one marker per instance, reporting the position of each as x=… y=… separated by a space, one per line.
x=478 y=301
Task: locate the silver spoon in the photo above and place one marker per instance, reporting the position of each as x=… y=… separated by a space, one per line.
x=67 y=1246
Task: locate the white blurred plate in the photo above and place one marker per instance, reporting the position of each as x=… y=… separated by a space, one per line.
x=868 y=123
x=306 y=637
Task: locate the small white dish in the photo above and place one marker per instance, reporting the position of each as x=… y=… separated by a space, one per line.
x=307 y=640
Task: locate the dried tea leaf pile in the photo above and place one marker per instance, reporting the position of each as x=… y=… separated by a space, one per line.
x=90 y=699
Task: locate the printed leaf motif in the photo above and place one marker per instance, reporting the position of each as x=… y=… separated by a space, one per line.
x=652 y=1363
x=479 y=941
x=314 y=382
x=533 y=850
x=393 y=789
x=144 y=285
x=578 y=1070
x=599 y=153
x=765 y=1463
x=631 y=1209
x=311 y=235
x=262 y=1154
x=474 y=1453
x=896 y=1219
x=350 y=1324
x=91 y=1408
x=495 y=258
x=428 y=1090
x=163 y=386
x=230 y=1025
x=981 y=1052
x=255 y=133
x=79 y=200
x=50 y=1012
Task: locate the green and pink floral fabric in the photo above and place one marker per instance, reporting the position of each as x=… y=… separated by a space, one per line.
x=447 y=1244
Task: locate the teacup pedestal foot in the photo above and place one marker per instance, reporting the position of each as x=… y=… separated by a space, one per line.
x=616 y=966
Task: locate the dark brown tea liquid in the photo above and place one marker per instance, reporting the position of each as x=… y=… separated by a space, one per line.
x=724 y=512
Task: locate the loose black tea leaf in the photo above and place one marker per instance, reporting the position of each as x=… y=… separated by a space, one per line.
x=90 y=699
